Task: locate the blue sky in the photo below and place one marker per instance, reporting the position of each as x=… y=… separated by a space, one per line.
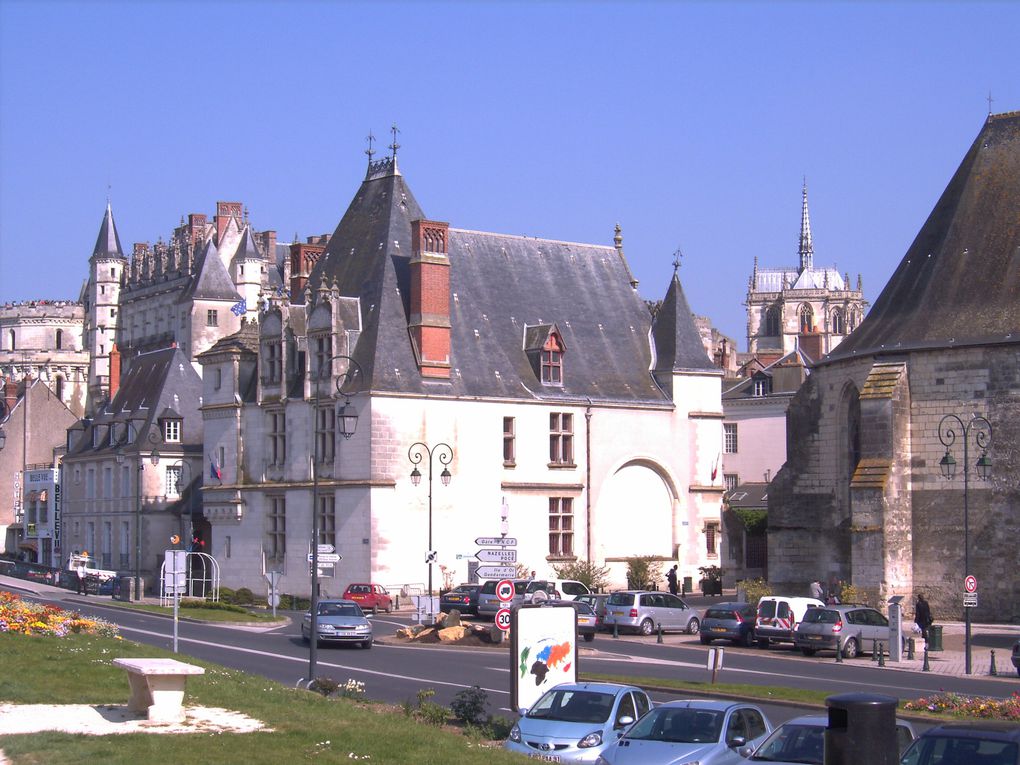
x=690 y=124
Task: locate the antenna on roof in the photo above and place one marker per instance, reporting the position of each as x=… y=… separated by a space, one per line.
x=394 y=146
x=370 y=151
x=676 y=260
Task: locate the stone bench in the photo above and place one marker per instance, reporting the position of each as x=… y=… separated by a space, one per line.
x=157 y=686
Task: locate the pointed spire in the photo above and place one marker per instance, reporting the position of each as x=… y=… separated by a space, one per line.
x=108 y=242
x=807 y=252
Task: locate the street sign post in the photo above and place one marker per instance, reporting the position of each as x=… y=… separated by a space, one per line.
x=497 y=556
x=503 y=619
x=496 y=541
x=496 y=572
x=327 y=558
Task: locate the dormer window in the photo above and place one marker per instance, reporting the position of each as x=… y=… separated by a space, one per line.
x=552 y=360
x=545 y=348
x=172 y=431
x=762 y=385
x=272 y=364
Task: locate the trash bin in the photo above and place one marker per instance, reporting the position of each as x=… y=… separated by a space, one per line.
x=688 y=585
x=862 y=728
x=935 y=637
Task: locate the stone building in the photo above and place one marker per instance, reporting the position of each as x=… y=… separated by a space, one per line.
x=800 y=307
x=566 y=408
x=862 y=496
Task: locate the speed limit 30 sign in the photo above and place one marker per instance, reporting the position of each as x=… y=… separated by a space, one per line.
x=505 y=591
x=503 y=619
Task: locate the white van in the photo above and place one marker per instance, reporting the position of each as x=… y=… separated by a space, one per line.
x=778 y=617
x=556 y=589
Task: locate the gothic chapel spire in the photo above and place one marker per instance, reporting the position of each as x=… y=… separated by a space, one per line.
x=807 y=252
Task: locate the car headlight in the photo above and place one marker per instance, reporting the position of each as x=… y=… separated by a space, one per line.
x=364 y=627
x=515 y=733
x=592 y=739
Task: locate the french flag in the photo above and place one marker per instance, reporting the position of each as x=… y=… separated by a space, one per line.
x=214 y=470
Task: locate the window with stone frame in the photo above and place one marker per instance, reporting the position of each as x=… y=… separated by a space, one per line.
x=276 y=529
x=773 y=323
x=762 y=386
x=561 y=438
x=807 y=320
x=730 y=437
x=323 y=353
x=327 y=519
x=277 y=438
x=730 y=481
x=712 y=539
x=173 y=480
x=212 y=318
x=552 y=360
x=838 y=324
x=561 y=527
x=125 y=544
x=509 y=441
x=325 y=434
x=272 y=363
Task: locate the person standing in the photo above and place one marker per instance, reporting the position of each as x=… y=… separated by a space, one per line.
x=817 y=591
x=922 y=616
x=671 y=579
x=83 y=587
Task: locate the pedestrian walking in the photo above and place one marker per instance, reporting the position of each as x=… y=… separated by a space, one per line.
x=83 y=587
x=922 y=616
x=671 y=579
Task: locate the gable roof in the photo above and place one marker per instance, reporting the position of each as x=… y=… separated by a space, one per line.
x=959 y=283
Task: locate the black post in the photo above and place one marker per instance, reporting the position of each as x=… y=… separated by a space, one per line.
x=925 y=667
x=991 y=670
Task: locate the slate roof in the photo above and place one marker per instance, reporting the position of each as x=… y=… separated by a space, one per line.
x=108 y=242
x=750 y=495
x=211 y=280
x=678 y=344
x=959 y=283
x=499 y=284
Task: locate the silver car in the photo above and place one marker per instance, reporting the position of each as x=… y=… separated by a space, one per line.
x=645 y=611
x=339 y=621
x=801 y=741
x=850 y=629
x=706 y=732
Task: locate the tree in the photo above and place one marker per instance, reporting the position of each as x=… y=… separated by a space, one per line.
x=643 y=571
x=592 y=575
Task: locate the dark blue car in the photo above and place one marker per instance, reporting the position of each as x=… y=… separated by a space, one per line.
x=729 y=621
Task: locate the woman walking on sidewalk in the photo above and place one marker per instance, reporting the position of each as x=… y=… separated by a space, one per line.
x=922 y=616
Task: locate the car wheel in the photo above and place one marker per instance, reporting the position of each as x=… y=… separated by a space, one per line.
x=304 y=637
x=747 y=640
x=693 y=627
x=647 y=628
x=808 y=651
x=589 y=637
x=850 y=649
x=367 y=644
x=763 y=642
x=705 y=640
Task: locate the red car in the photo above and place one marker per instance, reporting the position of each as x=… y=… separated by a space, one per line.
x=371 y=597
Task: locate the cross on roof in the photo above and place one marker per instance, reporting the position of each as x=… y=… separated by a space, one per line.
x=676 y=260
x=370 y=151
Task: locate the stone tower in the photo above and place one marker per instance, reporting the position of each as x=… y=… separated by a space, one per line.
x=102 y=299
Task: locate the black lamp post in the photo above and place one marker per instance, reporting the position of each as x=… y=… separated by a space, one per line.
x=417 y=453
x=346 y=418
x=981 y=429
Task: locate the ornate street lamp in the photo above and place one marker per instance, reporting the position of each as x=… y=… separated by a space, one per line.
x=981 y=429
x=346 y=418
x=5 y=411
x=416 y=454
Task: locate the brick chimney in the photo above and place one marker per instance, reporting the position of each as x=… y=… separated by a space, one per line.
x=196 y=228
x=267 y=240
x=811 y=344
x=224 y=212
x=114 y=370
x=430 y=297
x=303 y=258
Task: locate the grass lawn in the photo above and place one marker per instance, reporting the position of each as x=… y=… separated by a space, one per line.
x=207 y=613
x=308 y=727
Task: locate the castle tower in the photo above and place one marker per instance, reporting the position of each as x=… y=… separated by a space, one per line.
x=102 y=297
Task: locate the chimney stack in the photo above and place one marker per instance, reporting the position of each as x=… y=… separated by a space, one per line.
x=430 y=297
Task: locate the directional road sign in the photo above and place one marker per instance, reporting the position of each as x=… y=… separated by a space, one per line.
x=503 y=619
x=497 y=541
x=505 y=591
x=327 y=558
x=497 y=556
x=496 y=572
x=326 y=549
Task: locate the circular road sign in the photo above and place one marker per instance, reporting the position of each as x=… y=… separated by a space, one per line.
x=503 y=619
x=505 y=591
x=970 y=584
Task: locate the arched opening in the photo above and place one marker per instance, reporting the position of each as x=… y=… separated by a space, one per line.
x=59 y=388
x=773 y=324
x=807 y=320
x=838 y=323
x=60 y=339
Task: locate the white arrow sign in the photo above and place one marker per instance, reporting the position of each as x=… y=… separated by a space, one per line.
x=497 y=541
x=326 y=549
x=327 y=558
x=497 y=556
x=496 y=572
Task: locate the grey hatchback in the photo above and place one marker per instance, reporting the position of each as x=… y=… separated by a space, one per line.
x=850 y=629
x=645 y=611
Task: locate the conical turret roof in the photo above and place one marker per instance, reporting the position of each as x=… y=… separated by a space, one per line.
x=108 y=242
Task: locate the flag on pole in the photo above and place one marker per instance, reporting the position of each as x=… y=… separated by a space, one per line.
x=214 y=470
x=715 y=468
x=239 y=308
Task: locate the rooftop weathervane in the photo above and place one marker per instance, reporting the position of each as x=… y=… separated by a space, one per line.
x=394 y=146
x=676 y=260
x=370 y=151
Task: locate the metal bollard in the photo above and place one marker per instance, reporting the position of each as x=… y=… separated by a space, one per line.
x=881 y=655
x=659 y=638
x=839 y=652
x=910 y=649
x=992 y=670
x=616 y=630
x=874 y=650
x=925 y=667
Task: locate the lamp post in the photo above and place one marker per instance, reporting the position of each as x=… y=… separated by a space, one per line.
x=416 y=454
x=5 y=411
x=981 y=430
x=153 y=438
x=347 y=385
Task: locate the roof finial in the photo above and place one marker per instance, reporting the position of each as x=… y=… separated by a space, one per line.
x=394 y=146
x=370 y=151
x=109 y=185
x=807 y=251
x=676 y=260
x=990 y=99
x=618 y=237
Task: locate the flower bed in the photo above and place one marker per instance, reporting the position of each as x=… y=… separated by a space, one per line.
x=28 y=618
x=968 y=706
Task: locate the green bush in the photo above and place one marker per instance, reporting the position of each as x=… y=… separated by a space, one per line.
x=211 y=605
x=755 y=589
x=469 y=705
x=593 y=576
x=643 y=571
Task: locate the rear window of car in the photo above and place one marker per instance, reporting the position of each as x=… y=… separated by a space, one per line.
x=489 y=588
x=620 y=599
x=767 y=608
x=720 y=613
x=820 y=616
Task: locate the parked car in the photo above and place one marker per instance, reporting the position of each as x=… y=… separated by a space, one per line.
x=339 y=621
x=850 y=629
x=489 y=604
x=586 y=621
x=562 y=588
x=1015 y=658
x=575 y=722
x=778 y=617
x=706 y=732
x=371 y=597
x=980 y=742
x=464 y=597
x=729 y=621
x=597 y=601
x=801 y=741
x=643 y=611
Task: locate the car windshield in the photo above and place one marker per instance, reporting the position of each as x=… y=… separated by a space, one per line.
x=620 y=599
x=339 y=609
x=793 y=743
x=681 y=725
x=573 y=706
x=820 y=616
